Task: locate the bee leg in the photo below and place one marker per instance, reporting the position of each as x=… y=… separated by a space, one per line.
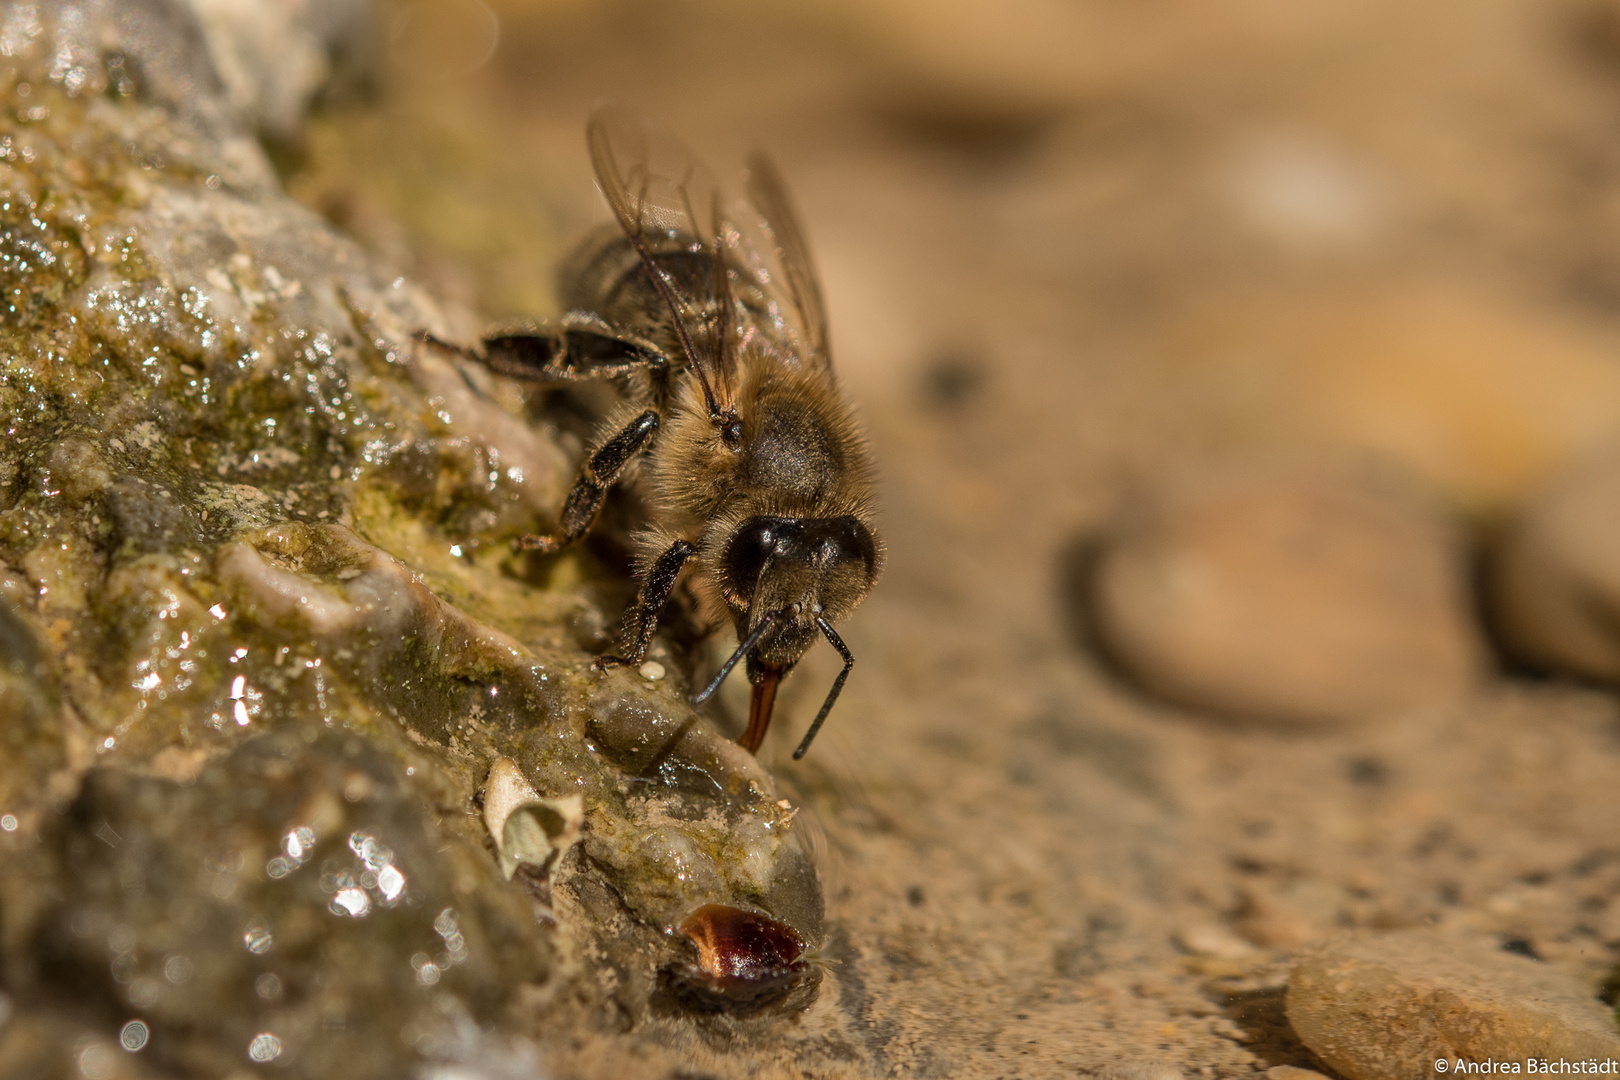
x=532 y=356
x=642 y=618
x=427 y=338
x=595 y=477
x=571 y=355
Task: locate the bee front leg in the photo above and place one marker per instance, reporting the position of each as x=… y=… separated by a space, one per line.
x=584 y=501
x=538 y=357
x=642 y=618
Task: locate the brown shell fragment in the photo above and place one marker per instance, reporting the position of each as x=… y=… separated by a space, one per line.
x=745 y=959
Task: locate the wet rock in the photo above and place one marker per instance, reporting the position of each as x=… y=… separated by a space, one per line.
x=274 y=59
x=1292 y=593
x=1555 y=576
x=33 y=744
x=40 y=1046
x=1390 y=1005
x=256 y=577
x=295 y=890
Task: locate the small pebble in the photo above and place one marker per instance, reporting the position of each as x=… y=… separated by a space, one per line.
x=652 y=671
x=1214 y=941
x=1289 y=917
x=1293 y=1072
x=1144 y=1070
x=1387 y=1006
x=1555 y=577
x=1286 y=592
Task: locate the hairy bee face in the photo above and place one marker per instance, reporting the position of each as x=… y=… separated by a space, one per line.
x=802 y=568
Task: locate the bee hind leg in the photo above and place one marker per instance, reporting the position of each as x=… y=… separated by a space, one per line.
x=642 y=618
x=584 y=500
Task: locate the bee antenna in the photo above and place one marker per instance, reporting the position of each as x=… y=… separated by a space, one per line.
x=742 y=650
x=837 y=686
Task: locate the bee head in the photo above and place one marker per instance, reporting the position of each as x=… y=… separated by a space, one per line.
x=802 y=569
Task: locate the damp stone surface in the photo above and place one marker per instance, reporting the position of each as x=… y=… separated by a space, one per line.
x=262 y=633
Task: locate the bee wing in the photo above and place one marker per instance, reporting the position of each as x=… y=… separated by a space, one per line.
x=795 y=268
x=665 y=199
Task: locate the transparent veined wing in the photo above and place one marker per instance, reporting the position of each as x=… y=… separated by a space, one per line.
x=668 y=204
x=797 y=273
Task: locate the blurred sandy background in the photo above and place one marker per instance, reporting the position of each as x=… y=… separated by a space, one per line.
x=1072 y=249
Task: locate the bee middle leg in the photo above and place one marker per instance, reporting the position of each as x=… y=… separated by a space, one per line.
x=584 y=500
x=642 y=618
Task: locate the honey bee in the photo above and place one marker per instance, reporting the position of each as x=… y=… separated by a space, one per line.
x=708 y=315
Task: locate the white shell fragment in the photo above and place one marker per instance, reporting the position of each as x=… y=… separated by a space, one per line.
x=504 y=791
x=525 y=827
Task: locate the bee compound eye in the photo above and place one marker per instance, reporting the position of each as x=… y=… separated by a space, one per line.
x=846 y=541
x=823 y=543
x=756 y=542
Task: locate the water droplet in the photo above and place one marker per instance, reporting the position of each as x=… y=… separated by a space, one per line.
x=96 y=1062
x=390 y=882
x=300 y=842
x=268 y=986
x=134 y=1035
x=258 y=939
x=351 y=901
x=144 y=993
x=264 y=1047
x=372 y=852
x=177 y=969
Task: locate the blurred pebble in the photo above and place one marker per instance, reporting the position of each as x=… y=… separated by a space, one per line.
x=1288 y=917
x=1555 y=580
x=1293 y=1072
x=1286 y=592
x=1143 y=1070
x=1214 y=940
x=1390 y=1005
x=1302 y=191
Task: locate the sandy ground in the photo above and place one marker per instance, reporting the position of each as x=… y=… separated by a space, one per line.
x=1068 y=248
